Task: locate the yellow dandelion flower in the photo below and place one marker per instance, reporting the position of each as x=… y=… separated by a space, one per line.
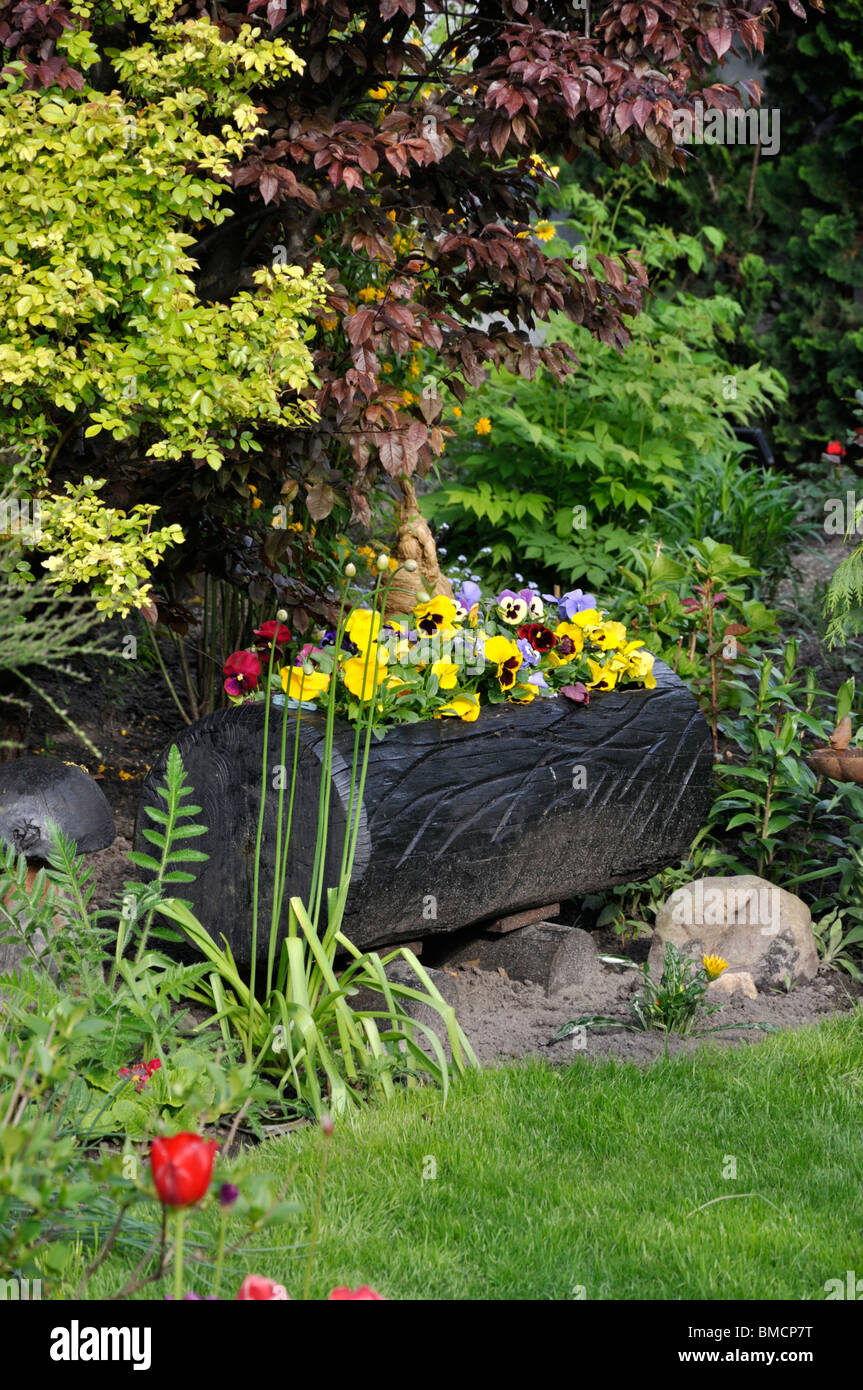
x=544 y=231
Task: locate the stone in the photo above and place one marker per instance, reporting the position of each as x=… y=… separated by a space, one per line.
x=734 y=982
x=547 y=954
x=762 y=931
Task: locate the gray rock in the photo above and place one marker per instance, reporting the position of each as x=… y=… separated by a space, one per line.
x=547 y=954
x=760 y=930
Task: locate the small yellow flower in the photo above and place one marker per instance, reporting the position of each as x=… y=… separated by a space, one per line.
x=544 y=231
x=446 y=672
x=364 y=673
x=457 y=412
x=465 y=707
x=483 y=425
x=714 y=965
x=300 y=685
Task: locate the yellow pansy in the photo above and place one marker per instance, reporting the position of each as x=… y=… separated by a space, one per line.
x=640 y=666
x=302 y=685
x=363 y=626
x=446 y=672
x=464 y=707
x=575 y=635
x=587 y=618
x=601 y=677
x=522 y=694
x=434 y=615
x=609 y=636
x=364 y=673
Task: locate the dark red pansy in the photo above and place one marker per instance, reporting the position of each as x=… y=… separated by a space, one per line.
x=242 y=672
x=541 y=638
x=271 y=634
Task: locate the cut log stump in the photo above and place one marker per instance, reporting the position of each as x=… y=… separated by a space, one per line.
x=461 y=822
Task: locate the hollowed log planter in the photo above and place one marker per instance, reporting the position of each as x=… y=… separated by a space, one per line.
x=460 y=822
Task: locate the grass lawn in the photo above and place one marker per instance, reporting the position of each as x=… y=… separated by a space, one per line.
x=548 y=1181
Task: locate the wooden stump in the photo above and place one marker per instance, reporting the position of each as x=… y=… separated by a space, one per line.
x=461 y=822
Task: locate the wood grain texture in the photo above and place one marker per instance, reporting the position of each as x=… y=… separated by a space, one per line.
x=471 y=821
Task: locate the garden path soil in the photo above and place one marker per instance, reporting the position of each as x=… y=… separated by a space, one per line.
x=130 y=717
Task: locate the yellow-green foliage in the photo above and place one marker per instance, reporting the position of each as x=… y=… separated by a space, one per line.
x=100 y=324
x=108 y=550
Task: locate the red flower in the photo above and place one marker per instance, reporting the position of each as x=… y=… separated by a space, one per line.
x=269 y=634
x=243 y=670
x=142 y=1071
x=182 y=1168
x=834 y=447
x=362 y=1294
x=542 y=639
x=262 y=1290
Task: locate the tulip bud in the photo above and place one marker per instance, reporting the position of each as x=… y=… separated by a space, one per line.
x=350 y=570
x=422 y=596
x=282 y=615
x=383 y=563
x=327 y=1125
x=308 y=668
x=411 y=566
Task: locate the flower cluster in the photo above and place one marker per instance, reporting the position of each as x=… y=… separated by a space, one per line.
x=448 y=657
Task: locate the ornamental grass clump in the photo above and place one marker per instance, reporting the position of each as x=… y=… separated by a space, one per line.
x=297 y=1024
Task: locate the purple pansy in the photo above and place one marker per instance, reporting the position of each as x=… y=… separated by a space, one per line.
x=574 y=602
x=530 y=656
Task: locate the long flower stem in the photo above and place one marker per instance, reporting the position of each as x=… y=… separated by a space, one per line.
x=178 y=1253
x=257 y=869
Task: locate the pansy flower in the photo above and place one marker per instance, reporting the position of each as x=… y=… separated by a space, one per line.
x=570 y=639
x=467 y=601
x=522 y=693
x=511 y=607
x=242 y=673
x=640 y=668
x=529 y=655
x=609 y=636
x=299 y=684
x=542 y=639
x=364 y=673
x=465 y=707
x=535 y=607
x=271 y=634
x=446 y=672
x=601 y=677
x=507 y=658
x=363 y=626
x=573 y=602
x=438 y=613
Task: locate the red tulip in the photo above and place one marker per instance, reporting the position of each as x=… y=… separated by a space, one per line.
x=262 y=1290
x=182 y=1168
x=834 y=447
x=243 y=670
x=363 y=1294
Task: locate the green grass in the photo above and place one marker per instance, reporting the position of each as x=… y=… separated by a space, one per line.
x=585 y=1175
